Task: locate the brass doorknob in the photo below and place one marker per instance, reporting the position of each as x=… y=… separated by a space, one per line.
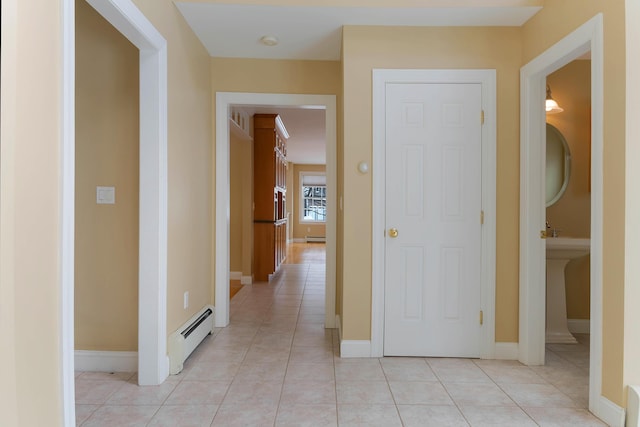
x=393 y=232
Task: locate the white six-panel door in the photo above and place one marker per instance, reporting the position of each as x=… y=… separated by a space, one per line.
x=433 y=181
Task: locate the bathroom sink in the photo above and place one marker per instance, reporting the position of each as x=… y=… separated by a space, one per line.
x=567 y=247
x=560 y=250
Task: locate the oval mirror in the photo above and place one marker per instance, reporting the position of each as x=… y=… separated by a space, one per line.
x=558 y=165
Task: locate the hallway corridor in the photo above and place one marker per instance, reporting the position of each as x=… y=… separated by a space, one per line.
x=276 y=365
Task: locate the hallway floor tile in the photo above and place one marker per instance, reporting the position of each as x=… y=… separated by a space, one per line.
x=276 y=365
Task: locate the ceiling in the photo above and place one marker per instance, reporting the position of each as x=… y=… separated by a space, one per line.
x=306 y=128
x=315 y=33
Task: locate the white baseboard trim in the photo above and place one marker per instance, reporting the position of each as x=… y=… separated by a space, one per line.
x=246 y=280
x=579 y=326
x=506 y=351
x=106 y=361
x=298 y=240
x=315 y=239
x=355 y=348
x=352 y=348
x=609 y=412
x=235 y=275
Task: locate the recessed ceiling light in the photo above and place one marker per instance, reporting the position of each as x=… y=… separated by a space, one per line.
x=269 y=40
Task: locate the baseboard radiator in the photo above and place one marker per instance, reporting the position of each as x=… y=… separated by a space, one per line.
x=183 y=341
x=315 y=239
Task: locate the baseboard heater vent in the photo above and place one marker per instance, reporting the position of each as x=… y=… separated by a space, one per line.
x=315 y=239
x=183 y=341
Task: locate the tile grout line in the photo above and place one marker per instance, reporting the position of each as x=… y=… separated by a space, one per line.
x=448 y=393
x=275 y=419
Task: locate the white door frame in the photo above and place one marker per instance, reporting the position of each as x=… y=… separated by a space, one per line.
x=67 y=221
x=487 y=78
x=224 y=100
x=588 y=37
x=153 y=363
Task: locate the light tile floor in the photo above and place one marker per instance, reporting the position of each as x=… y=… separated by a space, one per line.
x=275 y=365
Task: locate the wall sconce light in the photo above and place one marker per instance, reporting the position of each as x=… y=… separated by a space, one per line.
x=550 y=104
x=363 y=167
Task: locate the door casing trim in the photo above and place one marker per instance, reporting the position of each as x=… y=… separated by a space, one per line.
x=587 y=37
x=487 y=78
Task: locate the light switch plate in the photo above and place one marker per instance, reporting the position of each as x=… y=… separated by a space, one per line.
x=105 y=195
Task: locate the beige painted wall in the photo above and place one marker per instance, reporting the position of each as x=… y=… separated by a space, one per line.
x=571 y=87
x=190 y=163
x=107 y=147
x=366 y=48
x=556 y=20
x=235 y=204
x=303 y=229
x=241 y=205
x=275 y=76
x=30 y=205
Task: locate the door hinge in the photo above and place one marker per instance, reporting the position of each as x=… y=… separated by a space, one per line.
x=481 y=117
x=543 y=234
x=481 y=217
x=481 y=317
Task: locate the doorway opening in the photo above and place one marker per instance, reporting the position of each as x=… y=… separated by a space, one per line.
x=271 y=214
x=106 y=196
x=224 y=102
x=153 y=363
x=585 y=39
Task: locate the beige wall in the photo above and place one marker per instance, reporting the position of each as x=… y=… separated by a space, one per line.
x=241 y=205
x=189 y=171
x=556 y=20
x=30 y=205
x=107 y=134
x=571 y=87
x=275 y=76
x=366 y=48
x=303 y=229
x=235 y=204
x=190 y=163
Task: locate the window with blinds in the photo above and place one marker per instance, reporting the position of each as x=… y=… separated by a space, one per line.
x=313 y=197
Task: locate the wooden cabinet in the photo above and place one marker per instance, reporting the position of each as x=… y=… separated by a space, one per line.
x=270 y=194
